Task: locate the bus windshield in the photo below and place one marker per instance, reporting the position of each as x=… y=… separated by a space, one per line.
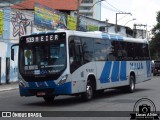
x=42 y=58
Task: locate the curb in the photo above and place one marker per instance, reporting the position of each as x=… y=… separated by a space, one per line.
x=8 y=87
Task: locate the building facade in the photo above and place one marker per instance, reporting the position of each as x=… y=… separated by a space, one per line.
x=91 y=8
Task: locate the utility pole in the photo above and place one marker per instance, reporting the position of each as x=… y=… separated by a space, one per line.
x=135 y=28
x=78 y=4
x=116 y=20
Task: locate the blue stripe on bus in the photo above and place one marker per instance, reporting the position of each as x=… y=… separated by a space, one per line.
x=42 y=84
x=120 y=38
x=32 y=84
x=113 y=37
x=105 y=73
x=105 y=36
x=123 y=71
x=66 y=88
x=115 y=71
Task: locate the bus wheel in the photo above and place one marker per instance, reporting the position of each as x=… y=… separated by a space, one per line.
x=131 y=86
x=88 y=95
x=49 y=99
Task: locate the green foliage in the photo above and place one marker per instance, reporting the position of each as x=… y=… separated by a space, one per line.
x=155 y=42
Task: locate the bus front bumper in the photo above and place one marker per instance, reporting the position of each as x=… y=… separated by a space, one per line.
x=41 y=89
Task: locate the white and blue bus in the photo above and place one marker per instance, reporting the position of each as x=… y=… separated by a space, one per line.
x=80 y=63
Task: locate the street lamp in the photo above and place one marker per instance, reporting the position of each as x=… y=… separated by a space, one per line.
x=130 y=21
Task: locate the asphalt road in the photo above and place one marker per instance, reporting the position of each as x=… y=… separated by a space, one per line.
x=111 y=100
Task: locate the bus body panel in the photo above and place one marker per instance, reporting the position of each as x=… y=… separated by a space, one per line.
x=110 y=73
x=80 y=76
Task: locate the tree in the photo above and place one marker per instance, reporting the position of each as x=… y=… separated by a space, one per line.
x=155 y=42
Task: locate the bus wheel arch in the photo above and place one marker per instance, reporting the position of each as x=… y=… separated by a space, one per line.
x=92 y=79
x=90 y=88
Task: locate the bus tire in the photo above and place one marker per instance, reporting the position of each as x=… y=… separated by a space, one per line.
x=88 y=94
x=131 y=86
x=49 y=99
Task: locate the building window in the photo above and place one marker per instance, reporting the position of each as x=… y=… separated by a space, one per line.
x=87 y=1
x=88 y=14
x=84 y=8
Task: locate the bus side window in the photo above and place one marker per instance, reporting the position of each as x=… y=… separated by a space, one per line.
x=111 y=50
x=87 y=48
x=145 y=51
x=100 y=50
x=75 y=54
x=121 y=50
x=131 y=51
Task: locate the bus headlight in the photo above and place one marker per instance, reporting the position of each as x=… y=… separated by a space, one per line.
x=63 y=80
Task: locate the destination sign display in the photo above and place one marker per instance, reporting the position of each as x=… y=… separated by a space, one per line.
x=44 y=38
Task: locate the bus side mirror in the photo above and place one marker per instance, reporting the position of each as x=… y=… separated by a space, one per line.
x=12 y=54
x=12 y=51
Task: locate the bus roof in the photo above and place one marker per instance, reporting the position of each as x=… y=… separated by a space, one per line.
x=96 y=34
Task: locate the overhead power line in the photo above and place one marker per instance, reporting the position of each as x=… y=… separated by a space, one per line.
x=108 y=8
x=122 y=17
x=114 y=7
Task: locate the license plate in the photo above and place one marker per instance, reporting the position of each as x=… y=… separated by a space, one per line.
x=41 y=93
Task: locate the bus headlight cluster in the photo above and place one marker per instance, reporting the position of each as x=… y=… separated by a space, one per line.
x=63 y=80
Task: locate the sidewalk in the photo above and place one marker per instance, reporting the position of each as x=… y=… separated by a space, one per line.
x=10 y=86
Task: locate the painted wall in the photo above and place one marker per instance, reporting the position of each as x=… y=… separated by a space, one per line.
x=16 y=23
x=20 y=24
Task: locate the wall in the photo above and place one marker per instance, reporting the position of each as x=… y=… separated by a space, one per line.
x=21 y=23
x=15 y=24
x=5 y=47
x=6 y=24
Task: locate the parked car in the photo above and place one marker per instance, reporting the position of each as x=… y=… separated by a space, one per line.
x=156 y=67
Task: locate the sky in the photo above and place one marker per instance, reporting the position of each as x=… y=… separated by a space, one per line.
x=144 y=11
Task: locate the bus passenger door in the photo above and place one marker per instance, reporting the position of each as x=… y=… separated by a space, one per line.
x=75 y=54
x=76 y=62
